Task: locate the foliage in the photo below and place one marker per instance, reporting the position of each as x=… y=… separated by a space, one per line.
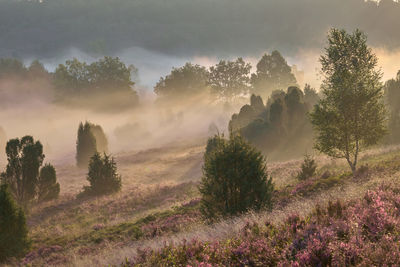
x=102 y=176
x=362 y=233
x=351 y=115
x=308 y=168
x=13 y=231
x=25 y=156
x=277 y=127
x=86 y=145
x=392 y=98
x=100 y=136
x=235 y=179
x=182 y=82
x=229 y=79
x=48 y=188
x=107 y=77
x=273 y=73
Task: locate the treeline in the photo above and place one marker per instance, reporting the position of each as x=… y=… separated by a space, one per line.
x=227 y=79
x=80 y=84
x=281 y=127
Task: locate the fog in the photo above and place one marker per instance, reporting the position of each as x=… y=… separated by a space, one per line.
x=157 y=35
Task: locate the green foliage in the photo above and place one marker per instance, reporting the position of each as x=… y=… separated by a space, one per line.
x=182 y=82
x=107 y=77
x=86 y=145
x=308 y=168
x=351 y=115
x=102 y=176
x=11 y=66
x=101 y=138
x=235 y=178
x=25 y=156
x=392 y=98
x=48 y=188
x=278 y=126
x=273 y=73
x=229 y=79
x=13 y=231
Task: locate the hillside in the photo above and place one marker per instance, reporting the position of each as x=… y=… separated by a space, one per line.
x=158 y=208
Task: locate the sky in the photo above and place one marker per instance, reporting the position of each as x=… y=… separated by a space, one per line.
x=156 y=35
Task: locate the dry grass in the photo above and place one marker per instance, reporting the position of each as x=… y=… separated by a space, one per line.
x=156 y=180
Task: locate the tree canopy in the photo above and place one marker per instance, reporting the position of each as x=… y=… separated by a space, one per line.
x=229 y=79
x=273 y=73
x=186 y=81
x=351 y=115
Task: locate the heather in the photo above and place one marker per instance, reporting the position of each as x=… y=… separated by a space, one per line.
x=361 y=232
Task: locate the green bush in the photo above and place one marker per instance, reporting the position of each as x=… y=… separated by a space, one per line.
x=13 y=231
x=102 y=176
x=48 y=188
x=235 y=178
x=308 y=168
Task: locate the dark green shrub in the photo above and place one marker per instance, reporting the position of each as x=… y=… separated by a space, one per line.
x=235 y=178
x=91 y=139
x=102 y=176
x=308 y=168
x=48 y=188
x=25 y=156
x=13 y=231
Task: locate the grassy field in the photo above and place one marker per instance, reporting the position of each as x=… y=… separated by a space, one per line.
x=159 y=204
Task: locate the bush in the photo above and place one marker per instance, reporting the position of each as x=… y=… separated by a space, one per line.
x=102 y=176
x=235 y=178
x=85 y=145
x=48 y=188
x=91 y=139
x=25 y=156
x=13 y=231
x=308 y=168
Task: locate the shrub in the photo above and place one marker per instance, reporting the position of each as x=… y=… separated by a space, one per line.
x=91 y=139
x=48 y=188
x=235 y=179
x=13 y=231
x=102 y=176
x=25 y=156
x=308 y=168
x=85 y=145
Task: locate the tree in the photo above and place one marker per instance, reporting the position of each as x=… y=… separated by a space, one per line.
x=351 y=115
x=14 y=240
x=308 y=168
x=182 y=82
x=229 y=79
x=25 y=156
x=48 y=188
x=392 y=98
x=86 y=145
x=273 y=73
x=235 y=178
x=11 y=67
x=100 y=136
x=102 y=176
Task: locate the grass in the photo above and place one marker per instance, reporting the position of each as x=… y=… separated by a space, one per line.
x=106 y=230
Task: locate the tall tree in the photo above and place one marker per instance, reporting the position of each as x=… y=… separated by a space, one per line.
x=351 y=115
x=48 y=188
x=86 y=145
x=183 y=82
x=273 y=73
x=392 y=97
x=229 y=79
x=25 y=156
x=14 y=240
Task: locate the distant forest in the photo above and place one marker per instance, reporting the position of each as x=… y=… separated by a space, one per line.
x=41 y=28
